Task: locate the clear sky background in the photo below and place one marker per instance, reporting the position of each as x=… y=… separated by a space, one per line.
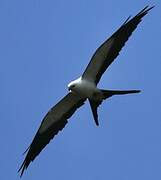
x=46 y=44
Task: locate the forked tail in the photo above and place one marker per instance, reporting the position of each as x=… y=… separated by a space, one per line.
x=106 y=94
x=109 y=93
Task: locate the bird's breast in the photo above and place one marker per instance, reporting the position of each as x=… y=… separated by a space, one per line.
x=85 y=89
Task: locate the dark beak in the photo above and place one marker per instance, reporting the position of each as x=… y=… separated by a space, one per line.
x=69 y=89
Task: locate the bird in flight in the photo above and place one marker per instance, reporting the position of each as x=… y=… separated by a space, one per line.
x=84 y=88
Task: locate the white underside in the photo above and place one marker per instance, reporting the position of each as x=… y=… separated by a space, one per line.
x=85 y=88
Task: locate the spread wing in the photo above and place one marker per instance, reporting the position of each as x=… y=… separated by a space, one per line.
x=110 y=49
x=54 y=121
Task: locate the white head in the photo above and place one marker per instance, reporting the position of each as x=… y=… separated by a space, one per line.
x=73 y=84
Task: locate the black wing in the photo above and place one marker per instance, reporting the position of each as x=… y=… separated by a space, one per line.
x=110 y=49
x=54 y=121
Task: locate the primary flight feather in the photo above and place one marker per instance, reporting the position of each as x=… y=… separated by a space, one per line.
x=84 y=88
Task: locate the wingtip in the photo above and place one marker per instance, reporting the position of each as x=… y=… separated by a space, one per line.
x=143 y=12
x=149 y=8
x=127 y=20
x=21 y=169
x=23 y=165
x=146 y=9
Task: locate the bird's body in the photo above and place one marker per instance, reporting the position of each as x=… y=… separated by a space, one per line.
x=84 y=88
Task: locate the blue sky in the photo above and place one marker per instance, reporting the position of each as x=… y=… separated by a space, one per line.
x=46 y=44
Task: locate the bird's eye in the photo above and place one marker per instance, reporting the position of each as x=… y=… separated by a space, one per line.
x=73 y=86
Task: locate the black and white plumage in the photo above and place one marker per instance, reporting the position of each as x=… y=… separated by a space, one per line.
x=84 y=88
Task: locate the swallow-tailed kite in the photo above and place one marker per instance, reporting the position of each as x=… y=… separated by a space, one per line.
x=84 y=88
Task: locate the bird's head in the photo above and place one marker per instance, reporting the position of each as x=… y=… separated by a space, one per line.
x=72 y=85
